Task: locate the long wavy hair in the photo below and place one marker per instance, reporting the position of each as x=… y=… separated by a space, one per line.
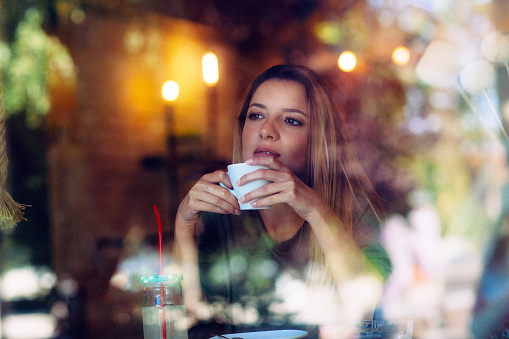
x=332 y=169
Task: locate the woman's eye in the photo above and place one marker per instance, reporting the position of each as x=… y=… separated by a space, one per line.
x=254 y=116
x=293 y=121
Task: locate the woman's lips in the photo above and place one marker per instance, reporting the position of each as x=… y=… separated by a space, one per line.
x=265 y=152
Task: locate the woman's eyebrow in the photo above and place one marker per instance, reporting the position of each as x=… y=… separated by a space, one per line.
x=286 y=110
x=294 y=110
x=258 y=105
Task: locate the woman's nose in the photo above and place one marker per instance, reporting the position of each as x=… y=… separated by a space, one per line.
x=269 y=130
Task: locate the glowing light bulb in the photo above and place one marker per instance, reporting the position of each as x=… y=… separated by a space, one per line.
x=210 y=69
x=347 y=61
x=170 y=91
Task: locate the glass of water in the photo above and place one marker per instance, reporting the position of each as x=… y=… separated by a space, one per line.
x=386 y=329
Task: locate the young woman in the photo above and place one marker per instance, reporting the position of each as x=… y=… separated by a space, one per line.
x=308 y=259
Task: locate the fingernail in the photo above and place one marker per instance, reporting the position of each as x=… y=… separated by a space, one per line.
x=249 y=161
x=237 y=212
x=242 y=200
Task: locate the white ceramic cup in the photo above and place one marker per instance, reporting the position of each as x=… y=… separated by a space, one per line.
x=235 y=172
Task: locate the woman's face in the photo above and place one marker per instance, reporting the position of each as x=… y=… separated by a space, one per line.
x=278 y=124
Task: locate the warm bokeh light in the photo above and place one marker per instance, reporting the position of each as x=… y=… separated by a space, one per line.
x=401 y=55
x=347 y=61
x=210 y=69
x=28 y=326
x=170 y=91
x=329 y=32
x=438 y=66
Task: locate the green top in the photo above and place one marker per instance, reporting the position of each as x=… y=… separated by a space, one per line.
x=241 y=265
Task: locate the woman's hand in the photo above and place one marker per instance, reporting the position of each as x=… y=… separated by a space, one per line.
x=207 y=195
x=286 y=187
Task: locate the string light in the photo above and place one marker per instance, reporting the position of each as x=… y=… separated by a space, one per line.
x=347 y=61
x=400 y=56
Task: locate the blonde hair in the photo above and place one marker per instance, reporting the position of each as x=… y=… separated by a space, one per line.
x=333 y=169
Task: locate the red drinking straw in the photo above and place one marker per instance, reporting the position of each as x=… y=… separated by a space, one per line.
x=162 y=304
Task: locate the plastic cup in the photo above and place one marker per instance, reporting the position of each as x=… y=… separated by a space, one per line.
x=163 y=308
x=386 y=329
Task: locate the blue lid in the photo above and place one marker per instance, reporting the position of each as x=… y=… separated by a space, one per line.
x=168 y=278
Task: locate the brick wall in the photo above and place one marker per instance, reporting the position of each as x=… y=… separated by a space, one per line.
x=100 y=191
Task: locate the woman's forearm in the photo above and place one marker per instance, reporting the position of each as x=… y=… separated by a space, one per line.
x=356 y=278
x=186 y=253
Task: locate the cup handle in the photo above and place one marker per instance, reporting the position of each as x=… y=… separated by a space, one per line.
x=231 y=191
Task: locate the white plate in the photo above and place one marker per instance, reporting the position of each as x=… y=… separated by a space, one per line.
x=281 y=334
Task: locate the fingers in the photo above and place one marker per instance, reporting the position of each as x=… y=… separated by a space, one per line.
x=285 y=187
x=276 y=192
x=275 y=176
x=217 y=177
x=207 y=192
x=276 y=172
x=219 y=201
x=207 y=196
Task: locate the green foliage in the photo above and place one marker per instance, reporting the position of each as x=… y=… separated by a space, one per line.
x=23 y=65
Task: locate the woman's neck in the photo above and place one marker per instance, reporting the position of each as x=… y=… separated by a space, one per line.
x=281 y=222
